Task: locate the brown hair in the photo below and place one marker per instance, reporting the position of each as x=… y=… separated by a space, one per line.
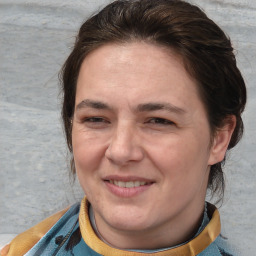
x=206 y=51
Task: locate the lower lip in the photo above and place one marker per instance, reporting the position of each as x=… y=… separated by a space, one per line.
x=127 y=192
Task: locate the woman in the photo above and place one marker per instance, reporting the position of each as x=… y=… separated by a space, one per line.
x=152 y=101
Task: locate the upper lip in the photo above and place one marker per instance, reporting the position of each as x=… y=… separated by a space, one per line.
x=127 y=178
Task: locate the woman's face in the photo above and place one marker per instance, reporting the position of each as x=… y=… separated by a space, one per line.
x=141 y=139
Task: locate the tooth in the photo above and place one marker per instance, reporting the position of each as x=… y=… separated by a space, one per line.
x=137 y=184
x=129 y=184
x=121 y=184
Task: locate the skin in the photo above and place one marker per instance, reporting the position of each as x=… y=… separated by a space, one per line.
x=138 y=116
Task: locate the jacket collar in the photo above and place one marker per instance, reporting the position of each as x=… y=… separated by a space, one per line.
x=193 y=247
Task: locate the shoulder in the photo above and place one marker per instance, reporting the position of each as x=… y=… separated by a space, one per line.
x=220 y=247
x=22 y=243
x=225 y=247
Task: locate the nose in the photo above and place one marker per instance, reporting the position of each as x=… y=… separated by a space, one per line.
x=124 y=146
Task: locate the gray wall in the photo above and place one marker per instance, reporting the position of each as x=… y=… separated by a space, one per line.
x=35 y=39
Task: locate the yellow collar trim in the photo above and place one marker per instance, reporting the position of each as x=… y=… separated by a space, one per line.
x=23 y=242
x=194 y=247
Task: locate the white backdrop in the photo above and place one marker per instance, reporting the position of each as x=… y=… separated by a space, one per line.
x=35 y=38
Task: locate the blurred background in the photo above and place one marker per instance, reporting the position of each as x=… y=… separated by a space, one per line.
x=36 y=37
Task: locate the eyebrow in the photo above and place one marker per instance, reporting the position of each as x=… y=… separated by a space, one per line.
x=147 y=107
x=92 y=104
x=160 y=106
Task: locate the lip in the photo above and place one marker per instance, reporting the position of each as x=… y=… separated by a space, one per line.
x=127 y=192
x=127 y=178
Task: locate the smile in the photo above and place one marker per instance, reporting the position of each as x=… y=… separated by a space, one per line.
x=127 y=187
x=128 y=184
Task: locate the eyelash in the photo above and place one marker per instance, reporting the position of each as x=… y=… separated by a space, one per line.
x=155 y=120
x=160 y=121
x=95 y=122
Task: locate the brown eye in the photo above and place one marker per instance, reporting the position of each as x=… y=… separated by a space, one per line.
x=160 y=121
x=95 y=120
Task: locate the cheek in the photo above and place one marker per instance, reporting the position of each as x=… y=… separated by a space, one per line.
x=87 y=159
x=184 y=171
x=87 y=153
x=171 y=153
x=183 y=158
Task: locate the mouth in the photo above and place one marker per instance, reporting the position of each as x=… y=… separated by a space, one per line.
x=126 y=187
x=128 y=184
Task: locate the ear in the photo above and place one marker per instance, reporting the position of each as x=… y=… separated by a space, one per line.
x=221 y=140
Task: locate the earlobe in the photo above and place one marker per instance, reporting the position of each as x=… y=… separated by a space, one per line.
x=221 y=140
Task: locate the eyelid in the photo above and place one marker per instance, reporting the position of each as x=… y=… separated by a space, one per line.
x=95 y=119
x=160 y=121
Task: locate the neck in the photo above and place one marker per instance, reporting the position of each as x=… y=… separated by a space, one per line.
x=178 y=230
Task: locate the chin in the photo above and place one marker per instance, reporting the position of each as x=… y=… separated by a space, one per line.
x=129 y=225
x=128 y=219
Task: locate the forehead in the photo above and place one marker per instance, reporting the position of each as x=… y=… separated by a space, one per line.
x=128 y=54
x=135 y=71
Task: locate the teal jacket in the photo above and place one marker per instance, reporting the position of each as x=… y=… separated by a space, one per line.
x=73 y=235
